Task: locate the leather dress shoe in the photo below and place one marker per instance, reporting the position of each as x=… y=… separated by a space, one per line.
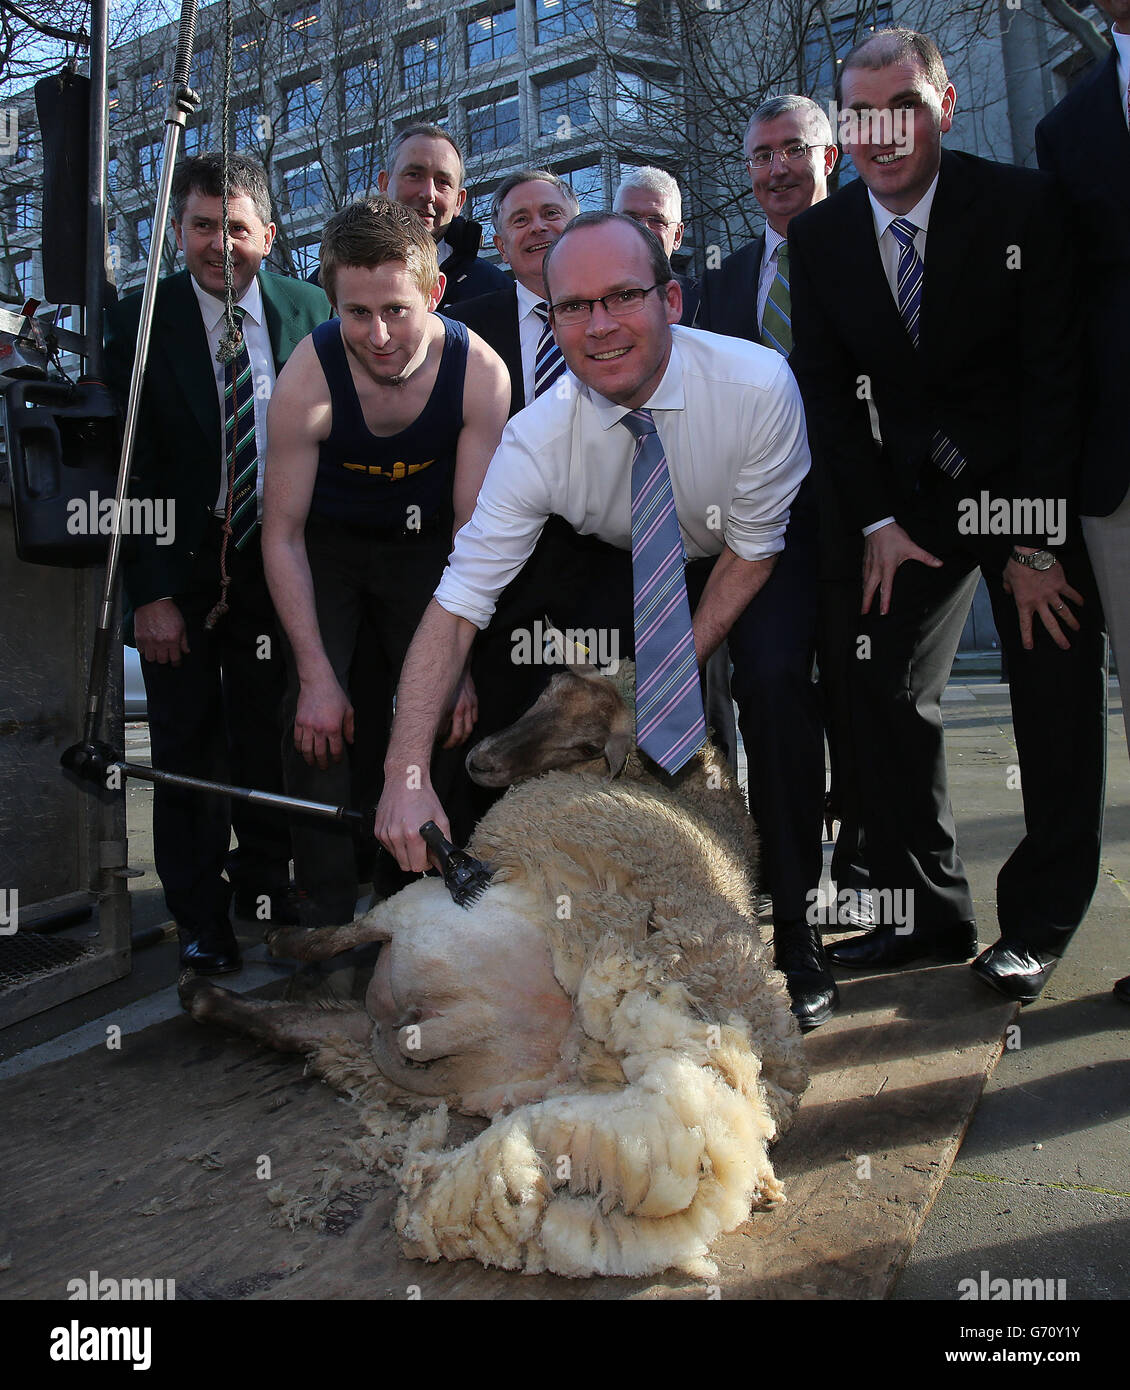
x=799 y=955
x=1122 y=990
x=210 y=952
x=886 y=946
x=1016 y=971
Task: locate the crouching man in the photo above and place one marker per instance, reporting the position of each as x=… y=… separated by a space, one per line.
x=382 y=428
x=686 y=448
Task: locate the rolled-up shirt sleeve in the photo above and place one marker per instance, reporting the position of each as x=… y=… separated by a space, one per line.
x=772 y=471
x=511 y=510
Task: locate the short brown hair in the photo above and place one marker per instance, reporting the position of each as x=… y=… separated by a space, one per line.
x=896 y=45
x=370 y=232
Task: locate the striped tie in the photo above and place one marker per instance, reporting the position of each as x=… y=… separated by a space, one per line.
x=776 y=323
x=947 y=456
x=548 y=362
x=670 y=726
x=239 y=436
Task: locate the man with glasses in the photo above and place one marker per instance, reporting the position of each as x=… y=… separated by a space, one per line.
x=789 y=154
x=644 y=402
x=652 y=196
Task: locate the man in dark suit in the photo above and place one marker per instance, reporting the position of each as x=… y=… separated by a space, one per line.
x=789 y=154
x=652 y=196
x=198 y=609
x=1095 y=114
x=426 y=173
x=965 y=347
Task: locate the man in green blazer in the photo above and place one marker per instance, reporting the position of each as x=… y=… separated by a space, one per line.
x=196 y=602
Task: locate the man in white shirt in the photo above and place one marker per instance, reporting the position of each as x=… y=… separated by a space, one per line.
x=729 y=419
x=937 y=292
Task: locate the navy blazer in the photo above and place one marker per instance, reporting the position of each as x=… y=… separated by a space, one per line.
x=1096 y=187
x=729 y=294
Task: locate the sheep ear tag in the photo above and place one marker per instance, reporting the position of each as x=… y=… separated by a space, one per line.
x=616 y=751
x=465 y=877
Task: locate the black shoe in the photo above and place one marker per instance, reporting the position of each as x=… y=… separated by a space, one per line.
x=1015 y=971
x=799 y=955
x=1122 y=990
x=275 y=905
x=210 y=952
x=886 y=946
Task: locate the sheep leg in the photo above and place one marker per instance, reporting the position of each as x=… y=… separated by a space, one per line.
x=285 y=1027
x=323 y=943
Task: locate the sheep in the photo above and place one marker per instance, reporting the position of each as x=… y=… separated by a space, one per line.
x=607 y=1004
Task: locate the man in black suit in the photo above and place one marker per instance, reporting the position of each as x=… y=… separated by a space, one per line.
x=1095 y=115
x=652 y=196
x=213 y=670
x=789 y=153
x=965 y=346
x=426 y=173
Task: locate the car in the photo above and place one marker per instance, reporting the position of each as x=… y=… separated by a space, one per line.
x=136 y=707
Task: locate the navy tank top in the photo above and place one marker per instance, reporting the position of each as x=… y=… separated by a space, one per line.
x=364 y=480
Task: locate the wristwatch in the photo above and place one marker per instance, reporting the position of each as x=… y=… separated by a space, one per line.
x=1037 y=560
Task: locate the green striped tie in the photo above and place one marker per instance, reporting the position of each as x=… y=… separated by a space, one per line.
x=239 y=440
x=776 y=321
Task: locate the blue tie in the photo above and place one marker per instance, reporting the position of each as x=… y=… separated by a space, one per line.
x=670 y=726
x=239 y=440
x=548 y=362
x=947 y=456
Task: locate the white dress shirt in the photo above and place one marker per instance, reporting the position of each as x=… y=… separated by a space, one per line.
x=262 y=374
x=889 y=248
x=1122 y=48
x=529 y=335
x=768 y=272
x=730 y=418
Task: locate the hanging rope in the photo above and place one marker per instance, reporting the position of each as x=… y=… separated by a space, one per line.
x=231 y=340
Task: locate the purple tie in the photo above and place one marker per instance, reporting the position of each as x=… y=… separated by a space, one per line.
x=670 y=726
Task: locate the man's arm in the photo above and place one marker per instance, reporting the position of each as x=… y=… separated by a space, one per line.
x=431 y=669
x=486 y=402
x=297 y=420
x=732 y=586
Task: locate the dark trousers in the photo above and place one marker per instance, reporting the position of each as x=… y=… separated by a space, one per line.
x=378 y=584
x=217 y=716
x=1058 y=709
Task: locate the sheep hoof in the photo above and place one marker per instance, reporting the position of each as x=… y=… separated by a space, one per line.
x=195 y=991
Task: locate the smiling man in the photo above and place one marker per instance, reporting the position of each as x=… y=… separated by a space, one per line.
x=212 y=688
x=938 y=291
x=381 y=431
x=645 y=407
x=425 y=173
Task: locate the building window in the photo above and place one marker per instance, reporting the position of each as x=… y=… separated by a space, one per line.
x=563 y=107
x=358 y=83
x=112 y=172
x=113 y=103
x=556 y=18
x=305 y=188
x=197 y=138
x=491 y=36
x=587 y=184
x=20 y=210
x=646 y=16
x=847 y=30
x=421 y=61
x=480 y=205
x=19 y=276
x=361 y=169
x=148 y=161
x=492 y=126
x=249 y=126
x=152 y=90
x=360 y=12
x=306 y=258
x=303 y=105
x=642 y=98
x=245 y=52
x=143 y=232
x=302 y=26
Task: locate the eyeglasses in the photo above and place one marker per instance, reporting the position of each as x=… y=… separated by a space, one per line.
x=761 y=159
x=657 y=224
x=620 y=304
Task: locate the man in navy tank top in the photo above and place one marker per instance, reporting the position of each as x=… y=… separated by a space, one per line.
x=382 y=429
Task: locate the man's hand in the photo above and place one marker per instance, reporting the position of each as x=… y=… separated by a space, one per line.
x=1044 y=592
x=323 y=716
x=159 y=632
x=464 y=713
x=401 y=812
x=883 y=551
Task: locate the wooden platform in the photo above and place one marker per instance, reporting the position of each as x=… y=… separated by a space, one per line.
x=142 y=1163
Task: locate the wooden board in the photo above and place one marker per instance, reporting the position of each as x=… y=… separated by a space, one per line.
x=96 y=1153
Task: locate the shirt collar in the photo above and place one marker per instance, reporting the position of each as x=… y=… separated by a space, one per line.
x=919 y=214
x=1122 y=46
x=668 y=395
x=773 y=239
x=212 y=309
x=526 y=300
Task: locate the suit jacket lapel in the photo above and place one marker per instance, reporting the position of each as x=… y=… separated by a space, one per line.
x=181 y=349
x=511 y=351
x=868 y=282
x=1109 y=134
x=946 y=248
x=283 y=320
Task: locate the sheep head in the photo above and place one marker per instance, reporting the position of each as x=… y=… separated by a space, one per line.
x=582 y=722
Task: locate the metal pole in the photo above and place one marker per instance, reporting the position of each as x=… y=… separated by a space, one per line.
x=181 y=104
x=96 y=190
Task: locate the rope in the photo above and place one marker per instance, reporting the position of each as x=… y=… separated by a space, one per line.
x=232 y=337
